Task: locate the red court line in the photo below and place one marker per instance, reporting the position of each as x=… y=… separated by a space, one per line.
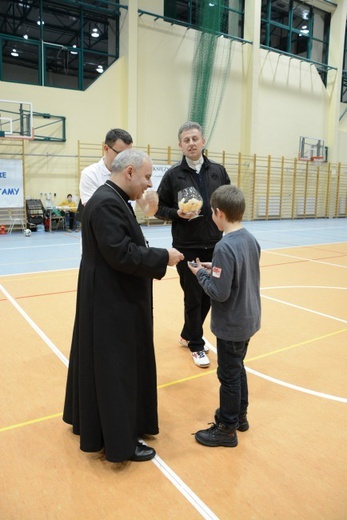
x=331 y=257
x=44 y=294
x=316 y=248
x=285 y=263
x=291 y=262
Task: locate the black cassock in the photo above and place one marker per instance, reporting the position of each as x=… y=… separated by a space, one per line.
x=111 y=391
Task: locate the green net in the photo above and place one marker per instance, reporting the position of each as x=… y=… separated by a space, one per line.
x=211 y=64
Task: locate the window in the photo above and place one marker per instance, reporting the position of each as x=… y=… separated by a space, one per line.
x=20 y=60
x=344 y=72
x=295 y=28
x=202 y=14
x=56 y=42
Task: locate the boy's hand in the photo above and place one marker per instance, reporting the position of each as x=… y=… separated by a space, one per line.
x=195 y=266
x=207 y=266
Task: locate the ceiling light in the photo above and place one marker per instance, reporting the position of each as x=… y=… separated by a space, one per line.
x=74 y=52
x=99 y=69
x=14 y=53
x=95 y=33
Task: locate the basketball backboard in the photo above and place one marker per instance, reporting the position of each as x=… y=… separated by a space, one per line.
x=311 y=148
x=16 y=119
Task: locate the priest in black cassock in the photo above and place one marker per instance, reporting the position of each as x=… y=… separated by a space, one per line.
x=111 y=391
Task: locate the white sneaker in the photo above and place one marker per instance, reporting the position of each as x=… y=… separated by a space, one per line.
x=200 y=359
x=184 y=343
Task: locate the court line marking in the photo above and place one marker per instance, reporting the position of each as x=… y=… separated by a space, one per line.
x=189 y=378
x=65 y=360
x=284 y=383
x=42 y=261
x=32 y=421
x=335 y=287
x=33 y=273
x=306 y=342
x=296 y=387
x=300 y=306
x=37 y=329
x=196 y=502
x=166 y=470
x=37 y=246
x=192 y=498
x=304 y=259
x=43 y=295
x=274 y=229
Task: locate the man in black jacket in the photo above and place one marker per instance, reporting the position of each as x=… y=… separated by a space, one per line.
x=194 y=235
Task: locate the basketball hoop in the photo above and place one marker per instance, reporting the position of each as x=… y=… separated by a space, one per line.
x=317 y=159
x=16 y=119
x=18 y=137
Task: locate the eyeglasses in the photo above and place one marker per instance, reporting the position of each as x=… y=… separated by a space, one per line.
x=115 y=151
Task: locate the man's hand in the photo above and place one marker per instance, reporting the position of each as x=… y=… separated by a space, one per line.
x=174 y=256
x=149 y=203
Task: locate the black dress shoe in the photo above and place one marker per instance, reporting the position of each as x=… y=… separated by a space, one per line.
x=142 y=453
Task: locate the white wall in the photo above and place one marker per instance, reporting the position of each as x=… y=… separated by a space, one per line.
x=165 y=76
x=291 y=98
x=288 y=100
x=292 y=102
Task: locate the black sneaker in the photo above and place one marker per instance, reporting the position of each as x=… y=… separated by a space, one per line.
x=217 y=435
x=243 y=423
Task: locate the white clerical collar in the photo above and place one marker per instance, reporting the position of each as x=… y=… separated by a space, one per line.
x=195 y=165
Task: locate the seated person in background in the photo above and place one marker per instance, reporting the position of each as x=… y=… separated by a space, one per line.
x=69 y=208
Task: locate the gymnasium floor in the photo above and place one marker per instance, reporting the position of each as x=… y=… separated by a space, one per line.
x=291 y=464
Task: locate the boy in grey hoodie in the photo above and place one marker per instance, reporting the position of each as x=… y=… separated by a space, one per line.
x=232 y=280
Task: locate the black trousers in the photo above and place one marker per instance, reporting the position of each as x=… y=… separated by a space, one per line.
x=233 y=392
x=196 y=302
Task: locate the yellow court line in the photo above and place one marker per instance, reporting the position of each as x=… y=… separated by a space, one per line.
x=297 y=345
x=177 y=381
x=41 y=419
x=185 y=379
x=33 y=421
x=190 y=378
